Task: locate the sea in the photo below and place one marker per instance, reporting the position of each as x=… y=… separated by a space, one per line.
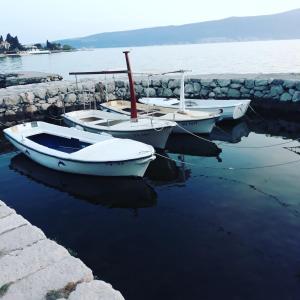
x=216 y=217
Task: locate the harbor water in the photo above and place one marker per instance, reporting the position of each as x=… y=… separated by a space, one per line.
x=209 y=220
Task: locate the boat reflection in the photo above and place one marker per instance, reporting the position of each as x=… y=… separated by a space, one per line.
x=165 y=170
x=231 y=132
x=116 y=192
x=190 y=145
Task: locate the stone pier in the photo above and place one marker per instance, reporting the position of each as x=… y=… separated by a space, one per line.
x=33 y=267
x=271 y=91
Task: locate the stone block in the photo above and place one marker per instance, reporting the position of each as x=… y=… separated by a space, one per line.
x=21 y=263
x=261 y=82
x=211 y=95
x=45 y=106
x=19 y=238
x=150 y=92
x=71 y=98
x=258 y=94
x=204 y=92
x=167 y=93
x=9 y=112
x=296 y=97
x=235 y=85
x=31 y=109
x=11 y=222
x=223 y=82
x=286 y=97
x=52 y=91
x=197 y=87
x=11 y=100
x=156 y=83
x=174 y=83
x=276 y=90
x=233 y=93
x=206 y=82
x=54 y=277
x=189 y=88
x=176 y=92
x=96 y=290
x=297 y=86
x=249 y=83
x=40 y=93
x=289 y=84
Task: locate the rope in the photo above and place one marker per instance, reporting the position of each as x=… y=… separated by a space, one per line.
x=231 y=168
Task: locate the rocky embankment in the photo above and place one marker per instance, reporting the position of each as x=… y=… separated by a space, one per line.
x=21 y=102
x=11 y=79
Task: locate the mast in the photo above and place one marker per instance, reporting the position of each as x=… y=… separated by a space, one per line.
x=182 y=99
x=132 y=92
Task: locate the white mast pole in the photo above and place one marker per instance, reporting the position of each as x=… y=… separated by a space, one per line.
x=182 y=99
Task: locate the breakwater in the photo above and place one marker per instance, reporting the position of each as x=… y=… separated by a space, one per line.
x=34 y=100
x=34 y=267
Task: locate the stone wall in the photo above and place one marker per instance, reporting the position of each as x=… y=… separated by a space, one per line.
x=21 y=102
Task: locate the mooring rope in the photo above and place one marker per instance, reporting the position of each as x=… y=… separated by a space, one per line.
x=230 y=168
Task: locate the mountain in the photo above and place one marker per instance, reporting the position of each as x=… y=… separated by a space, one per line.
x=267 y=27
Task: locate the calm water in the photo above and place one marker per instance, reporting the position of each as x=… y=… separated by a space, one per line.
x=208 y=225
x=243 y=57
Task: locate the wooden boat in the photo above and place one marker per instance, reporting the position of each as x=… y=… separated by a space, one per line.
x=187 y=121
x=74 y=151
x=228 y=109
x=152 y=132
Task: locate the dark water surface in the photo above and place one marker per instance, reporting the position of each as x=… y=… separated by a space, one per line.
x=208 y=225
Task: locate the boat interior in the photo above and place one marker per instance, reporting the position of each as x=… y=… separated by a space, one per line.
x=59 y=143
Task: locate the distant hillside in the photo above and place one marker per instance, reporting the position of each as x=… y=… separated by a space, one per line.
x=269 y=27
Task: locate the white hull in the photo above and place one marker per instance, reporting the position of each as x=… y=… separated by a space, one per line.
x=199 y=126
x=152 y=135
x=126 y=167
x=228 y=109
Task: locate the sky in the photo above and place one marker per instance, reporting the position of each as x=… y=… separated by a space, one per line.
x=37 y=20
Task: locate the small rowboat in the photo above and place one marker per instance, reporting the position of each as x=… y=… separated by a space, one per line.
x=74 y=151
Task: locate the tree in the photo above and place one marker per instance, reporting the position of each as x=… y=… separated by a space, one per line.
x=67 y=47
x=1 y=38
x=38 y=45
x=14 y=43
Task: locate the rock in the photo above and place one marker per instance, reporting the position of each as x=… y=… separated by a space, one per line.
x=89 y=86
x=233 y=93
x=206 y=82
x=260 y=88
x=11 y=100
x=223 y=82
x=96 y=290
x=224 y=90
x=217 y=90
x=150 y=92
x=31 y=109
x=297 y=86
x=29 y=97
x=63 y=89
x=120 y=84
x=40 y=93
x=52 y=100
x=292 y=91
x=164 y=83
x=189 y=88
x=296 y=97
x=244 y=90
x=52 y=91
x=174 y=83
x=145 y=83
x=2 y=110
x=277 y=82
x=289 y=84
x=70 y=98
x=176 y=92
x=211 y=95
x=138 y=89
x=156 y=83
x=249 y=83
x=235 y=85
x=204 y=92
x=167 y=93
x=258 y=94
x=9 y=112
x=197 y=87
x=286 y=97
x=45 y=106
x=261 y=82
x=239 y=81
x=276 y=90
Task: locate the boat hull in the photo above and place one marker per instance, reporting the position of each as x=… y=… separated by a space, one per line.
x=197 y=126
x=134 y=167
x=157 y=137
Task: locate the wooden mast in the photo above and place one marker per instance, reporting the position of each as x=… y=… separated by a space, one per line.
x=131 y=87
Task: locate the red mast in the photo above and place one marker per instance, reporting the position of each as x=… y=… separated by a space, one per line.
x=131 y=86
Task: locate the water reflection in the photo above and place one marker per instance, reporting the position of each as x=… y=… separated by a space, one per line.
x=231 y=132
x=110 y=192
x=191 y=145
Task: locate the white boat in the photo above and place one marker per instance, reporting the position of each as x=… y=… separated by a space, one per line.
x=74 y=151
x=187 y=121
x=35 y=50
x=228 y=109
x=152 y=132
x=149 y=131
